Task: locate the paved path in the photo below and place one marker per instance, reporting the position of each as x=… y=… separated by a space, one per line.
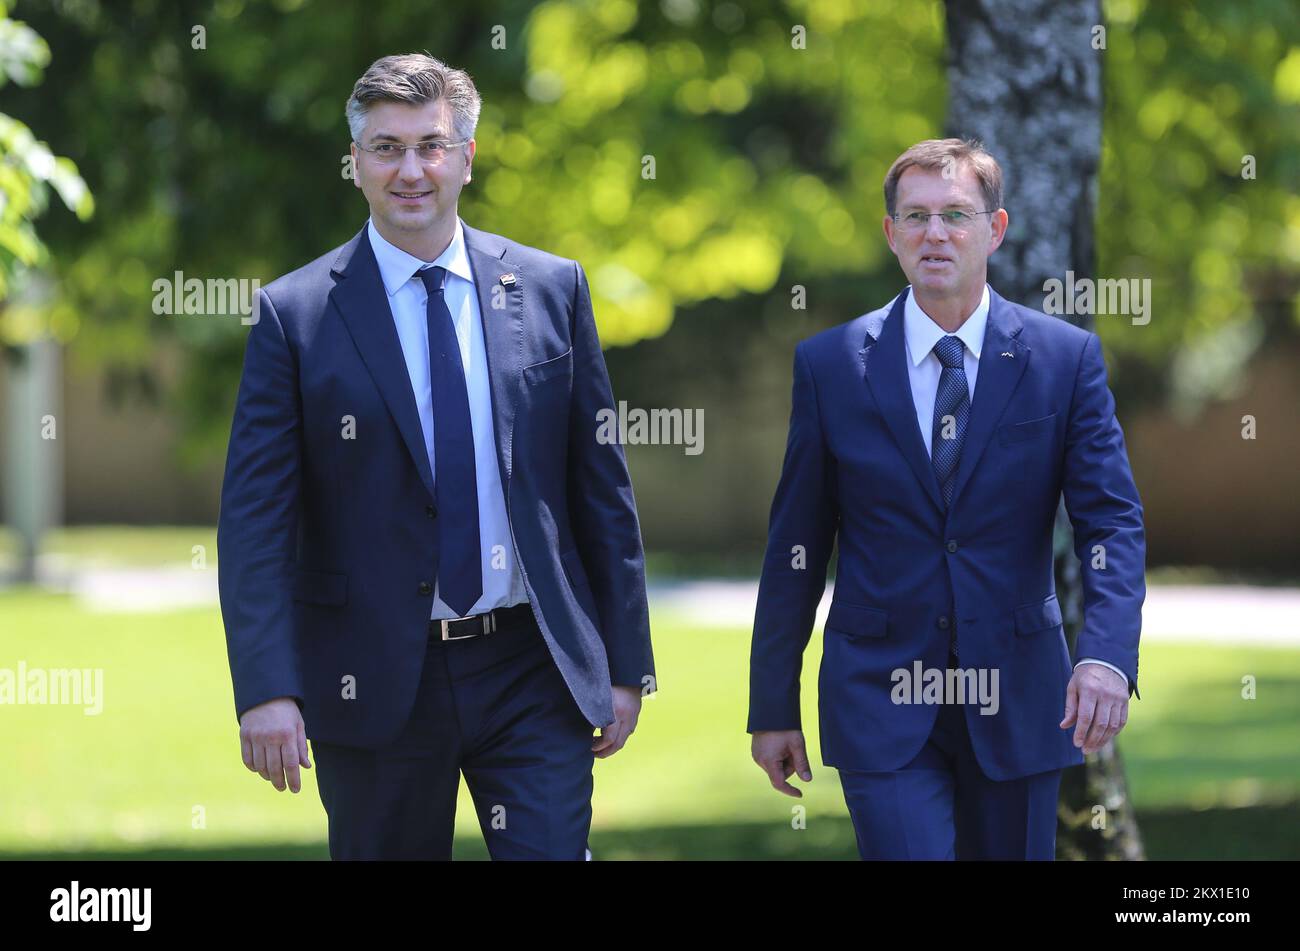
x=1222 y=614
x=1211 y=613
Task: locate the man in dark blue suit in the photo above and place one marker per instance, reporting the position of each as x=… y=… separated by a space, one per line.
x=934 y=439
x=429 y=564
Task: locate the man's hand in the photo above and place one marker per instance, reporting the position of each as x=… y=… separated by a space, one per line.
x=275 y=742
x=781 y=753
x=1097 y=700
x=627 y=708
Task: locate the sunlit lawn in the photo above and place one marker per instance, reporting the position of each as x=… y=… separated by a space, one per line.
x=159 y=769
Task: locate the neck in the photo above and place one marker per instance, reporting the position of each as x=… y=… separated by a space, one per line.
x=950 y=311
x=425 y=244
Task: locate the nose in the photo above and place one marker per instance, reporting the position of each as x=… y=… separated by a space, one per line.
x=935 y=229
x=411 y=168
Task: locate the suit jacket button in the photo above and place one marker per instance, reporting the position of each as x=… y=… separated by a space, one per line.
x=952 y=545
x=426 y=588
x=430 y=511
x=943 y=622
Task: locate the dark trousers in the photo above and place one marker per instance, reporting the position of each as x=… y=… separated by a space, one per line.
x=496 y=708
x=942 y=806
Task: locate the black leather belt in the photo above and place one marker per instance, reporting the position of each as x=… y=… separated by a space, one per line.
x=476 y=625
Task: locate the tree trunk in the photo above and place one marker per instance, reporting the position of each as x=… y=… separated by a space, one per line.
x=1024 y=77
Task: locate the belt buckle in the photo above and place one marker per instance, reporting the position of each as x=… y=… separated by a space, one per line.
x=489 y=626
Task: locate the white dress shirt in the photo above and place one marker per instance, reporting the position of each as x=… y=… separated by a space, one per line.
x=408 y=300
x=921 y=333
x=924 y=365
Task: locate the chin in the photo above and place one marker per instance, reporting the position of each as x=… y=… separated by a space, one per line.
x=934 y=285
x=413 y=222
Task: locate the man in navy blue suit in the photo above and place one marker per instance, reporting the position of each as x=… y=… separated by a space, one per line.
x=934 y=439
x=429 y=564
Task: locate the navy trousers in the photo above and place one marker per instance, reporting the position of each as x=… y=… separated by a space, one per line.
x=496 y=708
x=942 y=806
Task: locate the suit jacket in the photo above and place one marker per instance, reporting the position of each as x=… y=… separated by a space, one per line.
x=328 y=548
x=1042 y=424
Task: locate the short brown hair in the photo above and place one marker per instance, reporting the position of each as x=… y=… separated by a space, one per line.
x=415 y=78
x=945 y=153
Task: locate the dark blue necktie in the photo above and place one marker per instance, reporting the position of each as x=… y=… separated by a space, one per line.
x=460 y=567
x=952 y=399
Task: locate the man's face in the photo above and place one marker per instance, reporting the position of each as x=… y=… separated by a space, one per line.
x=943 y=260
x=410 y=195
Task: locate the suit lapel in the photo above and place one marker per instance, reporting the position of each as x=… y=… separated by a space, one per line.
x=1003 y=360
x=502 y=308
x=363 y=303
x=885 y=362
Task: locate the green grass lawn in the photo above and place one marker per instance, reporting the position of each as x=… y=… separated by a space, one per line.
x=158 y=772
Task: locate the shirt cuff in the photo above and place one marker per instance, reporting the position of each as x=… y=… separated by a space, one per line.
x=1091 y=660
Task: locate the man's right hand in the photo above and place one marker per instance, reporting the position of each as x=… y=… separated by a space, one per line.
x=275 y=742
x=781 y=753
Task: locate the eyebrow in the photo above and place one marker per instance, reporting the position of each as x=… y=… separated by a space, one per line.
x=907 y=209
x=428 y=136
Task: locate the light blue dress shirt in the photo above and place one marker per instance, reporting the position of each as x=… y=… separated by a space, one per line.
x=924 y=367
x=408 y=301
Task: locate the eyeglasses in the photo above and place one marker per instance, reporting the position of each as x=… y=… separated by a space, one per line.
x=953 y=219
x=432 y=152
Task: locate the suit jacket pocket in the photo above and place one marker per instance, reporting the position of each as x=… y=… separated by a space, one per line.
x=550 y=369
x=857 y=620
x=573 y=569
x=320 y=587
x=1029 y=429
x=1038 y=616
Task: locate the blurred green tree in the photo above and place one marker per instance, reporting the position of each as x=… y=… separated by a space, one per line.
x=686 y=152
x=28 y=169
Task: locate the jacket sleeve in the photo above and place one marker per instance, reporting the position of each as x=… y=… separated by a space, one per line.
x=258 y=522
x=804 y=520
x=1106 y=513
x=602 y=508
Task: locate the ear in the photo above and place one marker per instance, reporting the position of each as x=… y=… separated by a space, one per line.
x=471 y=147
x=888 y=225
x=356 y=164
x=998 y=222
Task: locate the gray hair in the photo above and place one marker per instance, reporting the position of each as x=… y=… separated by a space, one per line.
x=415 y=78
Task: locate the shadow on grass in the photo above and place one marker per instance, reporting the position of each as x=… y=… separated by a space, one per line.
x=1260 y=832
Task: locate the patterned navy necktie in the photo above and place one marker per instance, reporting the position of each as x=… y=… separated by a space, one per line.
x=460 y=566
x=951 y=413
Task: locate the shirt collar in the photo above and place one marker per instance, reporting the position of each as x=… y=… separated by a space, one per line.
x=922 y=333
x=396 y=267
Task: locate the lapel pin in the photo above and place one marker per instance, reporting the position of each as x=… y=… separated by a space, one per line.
x=508 y=280
x=1008 y=353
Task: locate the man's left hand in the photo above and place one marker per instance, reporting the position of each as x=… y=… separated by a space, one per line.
x=1096 y=702
x=627 y=708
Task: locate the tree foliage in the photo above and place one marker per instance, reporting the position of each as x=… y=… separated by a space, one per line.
x=213 y=136
x=28 y=169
